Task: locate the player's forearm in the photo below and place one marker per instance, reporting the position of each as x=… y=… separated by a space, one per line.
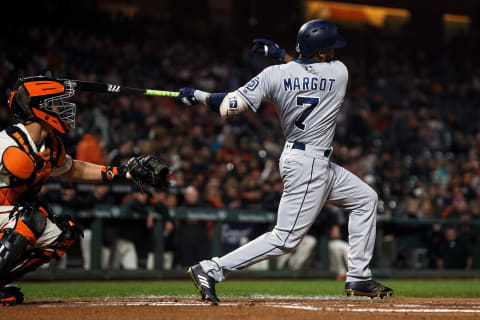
x=88 y=172
x=82 y=171
x=211 y=100
x=225 y=104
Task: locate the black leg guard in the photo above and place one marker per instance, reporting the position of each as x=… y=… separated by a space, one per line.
x=30 y=262
x=32 y=259
x=15 y=261
x=29 y=225
x=12 y=247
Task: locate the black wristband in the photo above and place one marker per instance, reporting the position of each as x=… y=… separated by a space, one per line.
x=215 y=100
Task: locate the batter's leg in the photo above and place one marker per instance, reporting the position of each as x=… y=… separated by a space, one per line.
x=356 y=197
x=307 y=182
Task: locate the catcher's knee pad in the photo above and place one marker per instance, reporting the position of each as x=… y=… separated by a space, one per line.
x=12 y=247
x=30 y=222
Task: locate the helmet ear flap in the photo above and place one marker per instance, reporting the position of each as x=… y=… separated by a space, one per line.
x=19 y=104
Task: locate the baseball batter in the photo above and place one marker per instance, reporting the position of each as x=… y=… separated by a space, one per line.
x=308 y=93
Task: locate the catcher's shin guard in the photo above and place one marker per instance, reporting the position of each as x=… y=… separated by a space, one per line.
x=71 y=230
x=30 y=261
x=26 y=225
x=12 y=247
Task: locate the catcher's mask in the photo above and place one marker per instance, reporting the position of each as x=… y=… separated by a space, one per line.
x=43 y=98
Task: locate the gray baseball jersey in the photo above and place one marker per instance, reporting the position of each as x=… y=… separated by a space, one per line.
x=307 y=97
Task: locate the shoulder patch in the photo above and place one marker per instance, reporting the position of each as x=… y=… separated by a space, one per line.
x=253 y=84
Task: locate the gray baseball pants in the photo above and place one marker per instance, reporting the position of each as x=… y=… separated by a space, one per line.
x=310 y=179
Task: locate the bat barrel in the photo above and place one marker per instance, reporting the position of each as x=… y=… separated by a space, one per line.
x=161 y=93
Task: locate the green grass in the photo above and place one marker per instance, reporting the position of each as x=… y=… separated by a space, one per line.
x=239 y=288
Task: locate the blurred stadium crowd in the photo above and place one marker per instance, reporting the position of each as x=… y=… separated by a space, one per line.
x=409 y=127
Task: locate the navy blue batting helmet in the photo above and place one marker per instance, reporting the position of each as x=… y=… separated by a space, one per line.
x=318 y=34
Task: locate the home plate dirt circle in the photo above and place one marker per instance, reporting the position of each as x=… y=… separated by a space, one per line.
x=246 y=308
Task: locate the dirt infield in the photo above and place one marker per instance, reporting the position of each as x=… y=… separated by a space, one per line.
x=246 y=308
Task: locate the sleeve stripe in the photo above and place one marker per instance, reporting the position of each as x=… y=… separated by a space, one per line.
x=250 y=104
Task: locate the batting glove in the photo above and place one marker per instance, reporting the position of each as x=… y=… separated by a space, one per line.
x=268 y=48
x=186 y=96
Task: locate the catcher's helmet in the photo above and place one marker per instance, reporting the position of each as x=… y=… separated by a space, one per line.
x=318 y=34
x=42 y=98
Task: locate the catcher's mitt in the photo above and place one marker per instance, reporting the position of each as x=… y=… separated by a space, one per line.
x=150 y=171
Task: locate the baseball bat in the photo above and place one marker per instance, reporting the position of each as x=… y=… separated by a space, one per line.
x=87 y=86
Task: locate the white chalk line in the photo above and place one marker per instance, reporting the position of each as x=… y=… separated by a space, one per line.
x=400 y=308
x=414 y=310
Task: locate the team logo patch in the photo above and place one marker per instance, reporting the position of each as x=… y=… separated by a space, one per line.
x=253 y=84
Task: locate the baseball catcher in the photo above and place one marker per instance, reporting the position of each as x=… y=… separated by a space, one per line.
x=30 y=152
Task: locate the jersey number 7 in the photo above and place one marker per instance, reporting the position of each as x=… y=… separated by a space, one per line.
x=305 y=101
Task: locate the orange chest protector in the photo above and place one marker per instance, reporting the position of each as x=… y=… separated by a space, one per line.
x=29 y=170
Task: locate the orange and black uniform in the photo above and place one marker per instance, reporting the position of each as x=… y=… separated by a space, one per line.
x=24 y=168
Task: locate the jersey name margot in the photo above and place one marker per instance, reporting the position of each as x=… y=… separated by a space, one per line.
x=308 y=83
x=306 y=96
